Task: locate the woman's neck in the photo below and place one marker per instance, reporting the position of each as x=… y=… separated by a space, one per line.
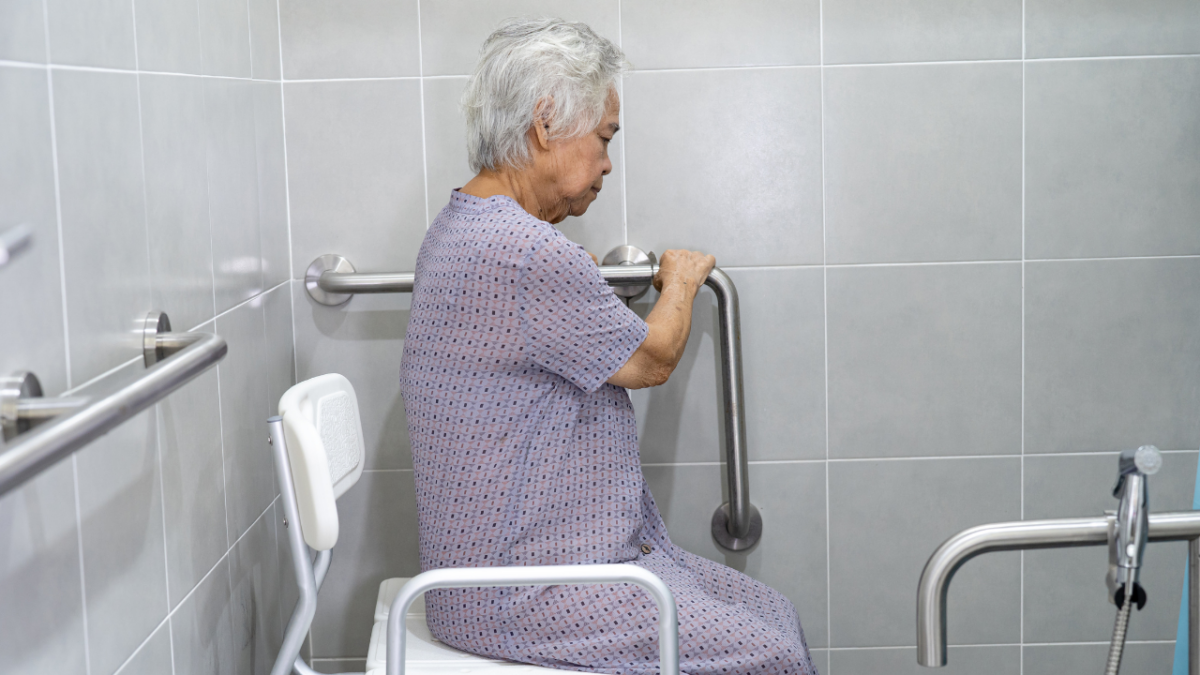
x=517 y=185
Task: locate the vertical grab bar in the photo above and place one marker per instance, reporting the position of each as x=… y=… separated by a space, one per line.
x=736 y=525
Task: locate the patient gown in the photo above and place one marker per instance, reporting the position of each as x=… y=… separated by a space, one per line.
x=523 y=455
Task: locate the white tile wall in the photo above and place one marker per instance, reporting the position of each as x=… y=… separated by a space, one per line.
x=163 y=161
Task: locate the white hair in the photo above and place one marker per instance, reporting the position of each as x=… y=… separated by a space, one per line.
x=561 y=71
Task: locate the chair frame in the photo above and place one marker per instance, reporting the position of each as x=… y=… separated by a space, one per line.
x=310 y=574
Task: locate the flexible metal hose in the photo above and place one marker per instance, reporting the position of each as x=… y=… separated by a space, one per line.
x=1117 y=648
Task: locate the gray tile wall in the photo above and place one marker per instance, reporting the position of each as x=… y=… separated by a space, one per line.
x=966 y=250
x=143 y=142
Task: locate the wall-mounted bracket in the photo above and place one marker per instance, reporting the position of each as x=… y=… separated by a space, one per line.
x=629 y=255
x=312 y=278
x=22 y=406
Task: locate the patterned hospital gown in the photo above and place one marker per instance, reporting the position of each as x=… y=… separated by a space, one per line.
x=523 y=455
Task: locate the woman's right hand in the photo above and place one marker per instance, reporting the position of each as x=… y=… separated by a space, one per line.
x=678 y=266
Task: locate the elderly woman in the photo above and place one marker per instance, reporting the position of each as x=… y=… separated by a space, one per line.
x=516 y=362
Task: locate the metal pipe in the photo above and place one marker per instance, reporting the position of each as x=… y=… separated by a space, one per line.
x=736 y=525
x=537 y=575
x=41 y=409
x=1193 y=606
x=302 y=565
x=54 y=440
x=1030 y=534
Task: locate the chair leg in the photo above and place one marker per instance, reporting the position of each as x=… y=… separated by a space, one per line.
x=302 y=565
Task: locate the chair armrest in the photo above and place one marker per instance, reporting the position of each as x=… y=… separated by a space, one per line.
x=537 y=575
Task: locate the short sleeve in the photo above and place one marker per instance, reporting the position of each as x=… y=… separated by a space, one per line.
x=573 y=323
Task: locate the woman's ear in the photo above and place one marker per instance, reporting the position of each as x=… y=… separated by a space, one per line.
x=540 y=129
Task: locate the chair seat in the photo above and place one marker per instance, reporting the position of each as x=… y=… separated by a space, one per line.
x=425 y=654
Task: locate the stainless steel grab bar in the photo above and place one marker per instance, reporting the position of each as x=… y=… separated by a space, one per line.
x=736 y=525
x=1038 y=534
x=78 y=425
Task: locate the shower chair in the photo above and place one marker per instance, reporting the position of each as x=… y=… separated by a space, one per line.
x=318 y=447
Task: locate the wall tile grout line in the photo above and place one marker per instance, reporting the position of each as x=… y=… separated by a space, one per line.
x=421 y=101
x=623 y=121
x=191 y=592
x=825 y=337
x=1021 y=558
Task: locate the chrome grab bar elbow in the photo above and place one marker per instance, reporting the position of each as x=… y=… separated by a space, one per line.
x=1032 y=534
x=736 y=525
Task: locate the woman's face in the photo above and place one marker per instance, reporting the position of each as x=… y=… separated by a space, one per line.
x=577 y=166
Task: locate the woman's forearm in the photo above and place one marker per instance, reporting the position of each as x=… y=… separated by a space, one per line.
x=670 y=324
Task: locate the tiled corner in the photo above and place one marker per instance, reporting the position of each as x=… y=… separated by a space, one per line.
x=1065 y=595
x=22 y=31
x=254 y=576
x=1086 y=659
x=233 y=191
x=890 y=31
x=281 y=351
x=600 y=230
x=272 y=183
x=32 y=302
x=202 y=627
x=103 y=217
x=982 y=660
x=225 y=37
x=790 y=557
x=355 y=173
x=448 y=25
x=783 y=358
x=726 y=161
x=177 y=220
x=886 y=518
x=249 y=469
x=354 y=38
x=41 y=633
x=924 y=360
x=168 y=36
x=189 y=435
x=91 y=33
x=124 y=562
x=363 y=340
x=711 y=33
x=1110 y=27
x=153 y=657
x=378 y=540
x=1104 y=348
x=923 y=163
x=1122 y=183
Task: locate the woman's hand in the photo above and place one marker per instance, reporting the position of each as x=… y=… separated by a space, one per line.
x=689 y=268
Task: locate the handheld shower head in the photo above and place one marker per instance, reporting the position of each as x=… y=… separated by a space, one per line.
x=1132 y=521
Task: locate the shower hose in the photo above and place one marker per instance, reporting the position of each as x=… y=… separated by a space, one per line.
x=1117 y=648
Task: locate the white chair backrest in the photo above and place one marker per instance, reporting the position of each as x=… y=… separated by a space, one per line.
x=325 y=450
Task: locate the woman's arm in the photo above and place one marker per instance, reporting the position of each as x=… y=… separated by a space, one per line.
x=680 y=275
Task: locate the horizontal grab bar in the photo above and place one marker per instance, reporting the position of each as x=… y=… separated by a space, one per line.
x=736 y=525
x=78 y=425
x=1022 y=535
